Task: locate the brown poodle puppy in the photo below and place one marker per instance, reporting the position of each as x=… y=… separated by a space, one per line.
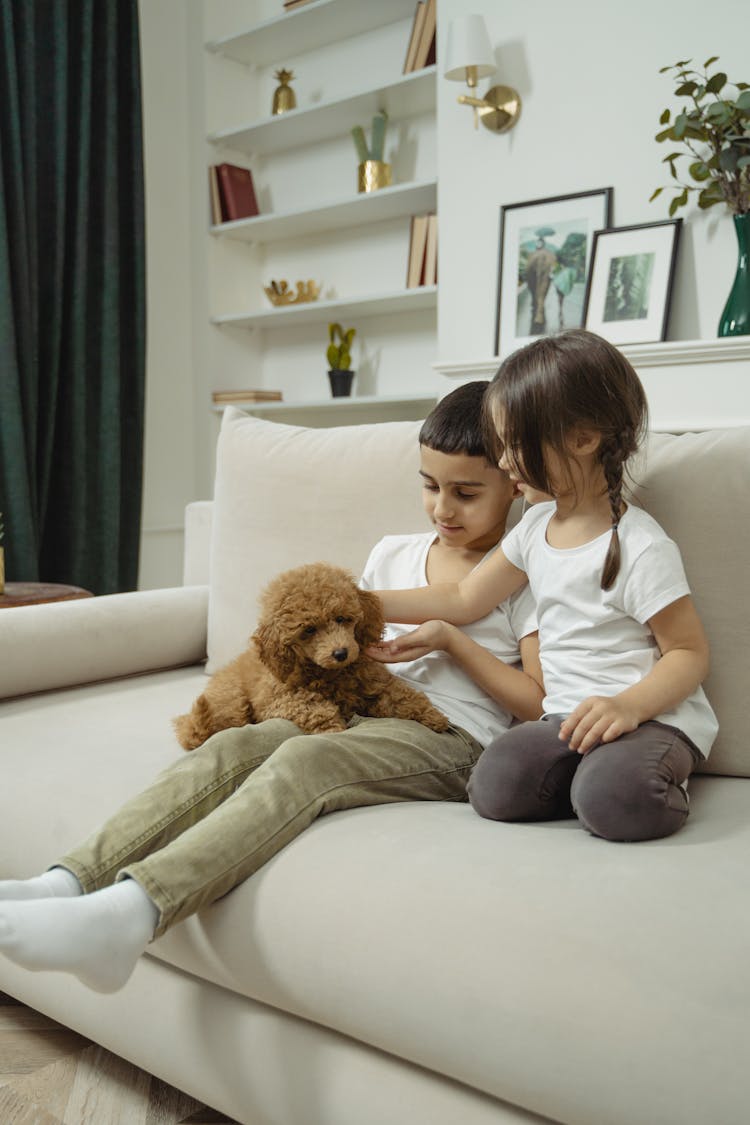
x=306 y=662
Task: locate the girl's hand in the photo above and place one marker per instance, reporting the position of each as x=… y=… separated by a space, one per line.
x=598 y=719
x=431 y=637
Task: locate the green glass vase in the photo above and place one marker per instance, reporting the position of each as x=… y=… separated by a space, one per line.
x=735 y=320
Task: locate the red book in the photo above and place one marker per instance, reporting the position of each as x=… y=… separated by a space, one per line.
x=237 y=192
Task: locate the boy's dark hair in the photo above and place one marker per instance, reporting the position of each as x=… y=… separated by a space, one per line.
x=456 y=424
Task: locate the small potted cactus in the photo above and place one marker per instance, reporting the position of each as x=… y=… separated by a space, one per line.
x=339 y=358
x=373 y=172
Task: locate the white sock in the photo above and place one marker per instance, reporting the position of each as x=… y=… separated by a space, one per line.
x=55 y=883
x=97 y=937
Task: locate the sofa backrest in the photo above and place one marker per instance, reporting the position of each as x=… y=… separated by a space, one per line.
x=697 y=485
x=286 y=495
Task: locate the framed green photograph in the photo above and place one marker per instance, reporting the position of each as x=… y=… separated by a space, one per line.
x=545 y=254
x=630 y=282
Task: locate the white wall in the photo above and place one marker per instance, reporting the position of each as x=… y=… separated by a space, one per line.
x=588 y=77
x=592 y=95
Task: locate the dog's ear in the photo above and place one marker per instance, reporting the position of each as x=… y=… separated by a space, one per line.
x=370 y=629
x=276 y=654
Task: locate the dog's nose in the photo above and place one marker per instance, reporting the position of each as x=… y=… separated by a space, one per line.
x=340 y=654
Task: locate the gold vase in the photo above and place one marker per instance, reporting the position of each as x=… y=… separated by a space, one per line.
x=373 y=174
x=284 y=97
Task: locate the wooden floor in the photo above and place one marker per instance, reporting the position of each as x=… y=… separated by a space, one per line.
x=52 y=1076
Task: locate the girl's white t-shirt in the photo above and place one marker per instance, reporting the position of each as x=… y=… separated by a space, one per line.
x=594 y=641
x=399 y=562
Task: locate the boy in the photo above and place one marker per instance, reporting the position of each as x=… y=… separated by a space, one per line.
x=471 y=674
x=215 y=817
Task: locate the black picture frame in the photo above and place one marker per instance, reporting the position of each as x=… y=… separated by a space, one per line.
x=629 y=290
x=531 y=307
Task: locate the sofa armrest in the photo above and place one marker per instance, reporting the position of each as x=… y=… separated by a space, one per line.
x=64 y=643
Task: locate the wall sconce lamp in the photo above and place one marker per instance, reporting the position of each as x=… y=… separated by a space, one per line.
x=468 y=58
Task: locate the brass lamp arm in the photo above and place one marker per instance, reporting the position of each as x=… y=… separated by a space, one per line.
x=498 y=110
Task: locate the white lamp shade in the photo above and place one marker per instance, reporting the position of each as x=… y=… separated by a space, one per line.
x=468 y=45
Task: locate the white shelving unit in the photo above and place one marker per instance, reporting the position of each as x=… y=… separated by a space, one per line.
x=319 y=312
x=409 y=95
x=287 y=36
x=313 y=26
x=352 y=411
x=369 y=207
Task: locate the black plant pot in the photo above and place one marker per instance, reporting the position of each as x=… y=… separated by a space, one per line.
x=341 y=382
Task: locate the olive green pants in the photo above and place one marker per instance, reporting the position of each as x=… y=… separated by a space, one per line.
x=216 y=816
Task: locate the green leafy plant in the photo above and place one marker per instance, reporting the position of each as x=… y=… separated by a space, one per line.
x=714 y=130
x=339 y=355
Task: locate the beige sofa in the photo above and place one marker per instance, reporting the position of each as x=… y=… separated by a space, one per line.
x=410 y=963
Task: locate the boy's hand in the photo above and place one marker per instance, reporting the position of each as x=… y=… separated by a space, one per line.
x=598 y=719
x=431 y=637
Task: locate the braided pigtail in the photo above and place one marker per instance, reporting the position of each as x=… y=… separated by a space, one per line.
x=613 y=456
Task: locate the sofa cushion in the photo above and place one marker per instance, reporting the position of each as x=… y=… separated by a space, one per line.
x=697 y=486
x=531 y=961
x=287 y=495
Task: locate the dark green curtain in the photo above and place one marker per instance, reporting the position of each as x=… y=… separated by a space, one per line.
x=72 y=291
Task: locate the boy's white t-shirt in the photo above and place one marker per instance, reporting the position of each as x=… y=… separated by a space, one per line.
x=399 y=562
x=594 y=641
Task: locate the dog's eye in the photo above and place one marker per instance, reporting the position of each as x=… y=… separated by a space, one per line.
x=340 y=620
x=310 y=631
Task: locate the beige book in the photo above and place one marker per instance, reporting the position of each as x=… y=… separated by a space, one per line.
x=430 y=254
x=213 y=185
x=427 y=36
x=417 y=244
x=416 y=32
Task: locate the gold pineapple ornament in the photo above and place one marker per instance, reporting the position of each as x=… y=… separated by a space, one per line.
x=284 y=97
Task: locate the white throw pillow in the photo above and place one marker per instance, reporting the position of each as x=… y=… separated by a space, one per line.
x=287 y=495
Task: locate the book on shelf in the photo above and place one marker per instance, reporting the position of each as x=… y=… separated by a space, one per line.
x=416 y=32
x=430 y=253
x=224 y=398
x=417 y=247
x=424 y=54
x=214 y=197
x=236 y=193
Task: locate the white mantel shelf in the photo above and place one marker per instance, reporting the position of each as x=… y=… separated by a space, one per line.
x=680 y=396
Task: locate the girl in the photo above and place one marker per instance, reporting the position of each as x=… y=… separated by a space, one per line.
x=623 y=652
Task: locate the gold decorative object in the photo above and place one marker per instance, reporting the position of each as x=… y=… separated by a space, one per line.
x=284 y=97
x=469 y=57
x=279 y=293
x=498 y=110
x=373 y=174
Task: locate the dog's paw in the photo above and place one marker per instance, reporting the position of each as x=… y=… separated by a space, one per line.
x=435 y=720
x=322 y=726
x=187 y=735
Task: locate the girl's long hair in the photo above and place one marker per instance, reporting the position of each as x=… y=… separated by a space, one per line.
x=543 y=391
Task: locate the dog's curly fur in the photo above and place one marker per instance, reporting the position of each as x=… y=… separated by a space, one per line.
x=306 y=662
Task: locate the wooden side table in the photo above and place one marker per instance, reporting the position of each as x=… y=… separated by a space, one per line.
x=34 y=593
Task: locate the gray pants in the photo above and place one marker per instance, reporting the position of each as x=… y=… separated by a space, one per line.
x=220 y=813
x=629 y=789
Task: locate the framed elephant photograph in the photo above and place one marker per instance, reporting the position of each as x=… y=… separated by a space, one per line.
x=545 y=254
x=630 y=282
